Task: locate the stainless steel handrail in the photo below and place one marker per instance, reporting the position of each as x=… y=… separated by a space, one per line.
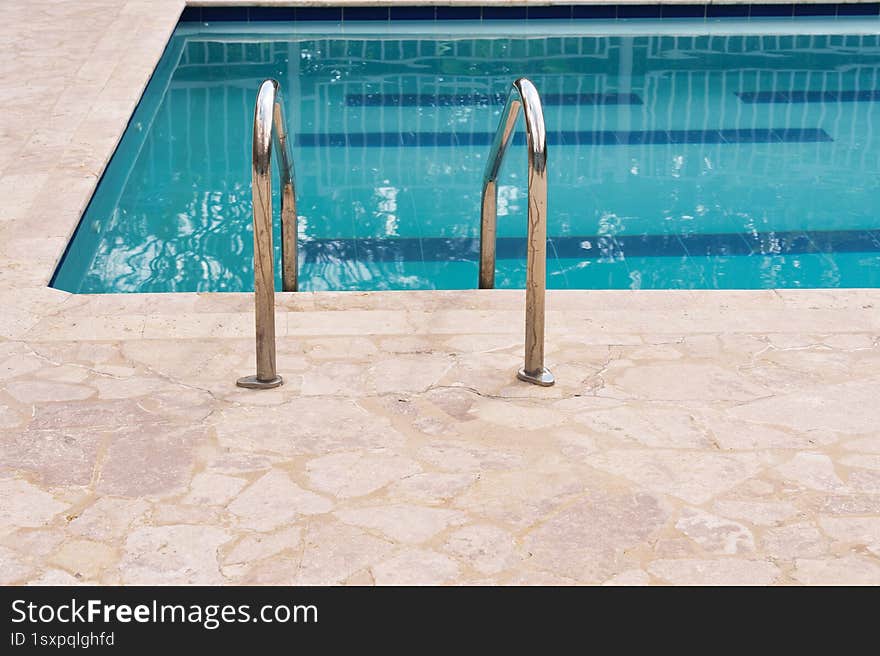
x=523 y=94
x=270 y=129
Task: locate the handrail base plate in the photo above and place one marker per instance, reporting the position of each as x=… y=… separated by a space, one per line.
x=544 y=378
x=252 y=382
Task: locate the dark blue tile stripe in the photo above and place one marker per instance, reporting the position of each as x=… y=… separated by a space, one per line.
x=788 y=97
x=559 y=12
x=366 y=13
x=638 y=11
x=858 y=9
x=727 y=11
x=683 y=11
x=413 y=13
x=594 y=12
x=505 y=13
x=467 y=99
x=815 y=9
x=591 y=247
x=566 y=137
x=780 y=10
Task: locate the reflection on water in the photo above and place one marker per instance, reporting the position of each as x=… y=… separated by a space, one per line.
x=674 y=162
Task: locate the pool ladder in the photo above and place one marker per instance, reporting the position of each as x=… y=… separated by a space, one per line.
x=270 y=129
x=523 y=95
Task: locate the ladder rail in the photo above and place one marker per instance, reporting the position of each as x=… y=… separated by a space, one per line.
x=523 y=96
x=270 y=132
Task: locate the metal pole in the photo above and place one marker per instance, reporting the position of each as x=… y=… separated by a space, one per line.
x=269 y=130
x=523 y=95
x=289 y=261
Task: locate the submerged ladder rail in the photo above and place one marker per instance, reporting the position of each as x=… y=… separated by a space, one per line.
x=270 y=131
x=523 y=95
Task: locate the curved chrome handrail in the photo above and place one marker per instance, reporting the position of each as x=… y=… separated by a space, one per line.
x=270 y=129
x=523 y=94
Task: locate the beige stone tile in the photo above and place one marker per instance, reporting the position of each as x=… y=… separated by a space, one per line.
x=84 y=558
x=354 y=474
x=629 y=577
x=213 y=489
x=108 y=518
x=53 y=457
x=31 y=391
x=32 y=506
x=339 y=348
x=172 y=555
x=762 y=513
x=275 y=500
x=859 y=532
x=730 y=571
x=845 y=408
x=433 y=488
x=13 y=568
x=686 y=382
x=355 y=322
x=864 y=481
x=96 y=328
x=403 y=522
x=846 y=570
x=486 y=548
x=733 y=434
x=304 y=426
x=593 y=539
x=846 y=504
x=257 y=546
x=35 y=544
x=189 y=326
x=149 y=460
x=801 y=540
x=650 y=425
x=864 y=445
x=57 y=577
x=814 y=471
x=715 y=534
x=861 y=461
x=462 y=456
x=515 y=414
x=181 y=513
x=332 y=552
x=695 y=477
x=416 y=567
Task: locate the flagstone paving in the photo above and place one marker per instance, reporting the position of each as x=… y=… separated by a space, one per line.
x=692 y=437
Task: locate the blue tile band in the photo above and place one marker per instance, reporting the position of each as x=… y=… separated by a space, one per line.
x=790 y=97
x=593 y=247
x=483 y=99
x=565 y=137
x=555 y=12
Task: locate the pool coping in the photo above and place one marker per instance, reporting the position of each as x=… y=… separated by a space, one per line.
x=103 y=120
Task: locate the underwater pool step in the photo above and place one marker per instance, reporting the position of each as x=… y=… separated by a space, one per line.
x=565 y=137
x=590 y=247
x=483 y=99
x=798 y=97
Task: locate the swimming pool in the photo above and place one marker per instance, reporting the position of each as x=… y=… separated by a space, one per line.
x=682 y=154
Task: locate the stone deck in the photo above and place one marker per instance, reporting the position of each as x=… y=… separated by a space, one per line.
x=693 y=437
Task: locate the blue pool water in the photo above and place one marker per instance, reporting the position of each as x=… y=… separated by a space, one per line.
x=727 y=160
